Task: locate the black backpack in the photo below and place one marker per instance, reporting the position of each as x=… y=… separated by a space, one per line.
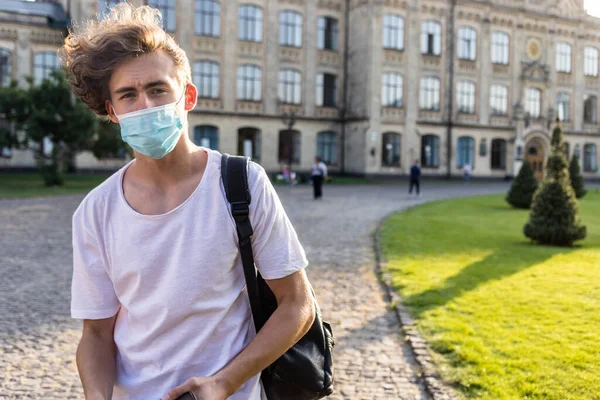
x=305 y=371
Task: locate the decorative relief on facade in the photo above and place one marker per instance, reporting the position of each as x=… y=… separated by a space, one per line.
x=329 y=58
x=470 y=16
x=534 y=49
x=290 y=54
x=294 y=2
x=503 y=22
x=591 y=128
x=207 y=45
x=499 y=120
x=47 y=36
x=209 y=104
x=433 y=10
x=564 y=79
x=297 y=109
x=327 y=112
x=395 y=3
x=467 y=118
x=467 y=65
x=392 y=114
x=431 y=61
x=332 y=5
x=501 y=69
x=251 y=50
x=7 y=33
x=566 y=33
x=431 y=116
x=354 y=4
x=533 y=27
x=535 y=71
x=592 y=82
x=393 y=57
x=249 y=107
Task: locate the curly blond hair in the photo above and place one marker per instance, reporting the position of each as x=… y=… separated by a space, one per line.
x=91 y=54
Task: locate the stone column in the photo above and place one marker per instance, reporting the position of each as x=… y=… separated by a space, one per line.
x=485 y=75
x=229 y=40
x=271 y=60
x=23 y=56
x=579 y=92
x=309 y=45
x=412 y=46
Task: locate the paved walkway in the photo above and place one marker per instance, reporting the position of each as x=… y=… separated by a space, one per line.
x=38 y=339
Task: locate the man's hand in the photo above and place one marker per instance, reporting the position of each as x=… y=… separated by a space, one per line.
x=203 y=388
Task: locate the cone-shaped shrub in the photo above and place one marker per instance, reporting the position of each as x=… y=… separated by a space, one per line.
x=523 y=187
x=576 y=177
x=554 y=217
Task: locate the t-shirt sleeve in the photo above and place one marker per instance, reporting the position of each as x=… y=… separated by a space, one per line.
x=277 y=249
x=92 y=292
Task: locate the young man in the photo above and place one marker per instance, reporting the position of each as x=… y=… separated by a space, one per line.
x=157 y=275
x=318 y=175
x=415 y=178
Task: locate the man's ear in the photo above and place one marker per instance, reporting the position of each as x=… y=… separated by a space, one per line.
x=111 y=112
x=191 y=97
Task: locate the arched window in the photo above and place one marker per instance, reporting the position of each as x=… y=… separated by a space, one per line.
x=327 y=34
x=207 y=136
x=167 y=9
x=390 y=155
x=207 y=18
x=43 y=64
x=430 y=148
x=391 y=90
x=290 y=29
x=205 y=75
x=290 y=86
x=590 y=65
x=5 y=67
x=289 y=147
x=499 y=99
x=431 y=38
x=327 y=147
x=467 y=44
x=498 y=154
x=393 y=32
x=466 y=97
x=589 y=157
x=465 y=153
x=249 y=83
x=250 y=23
x=590 y=109
x=249 y=143
x=429 y=96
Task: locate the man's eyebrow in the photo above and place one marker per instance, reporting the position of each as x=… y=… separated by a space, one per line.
x=146 y=86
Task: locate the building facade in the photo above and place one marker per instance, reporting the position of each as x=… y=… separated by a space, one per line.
x=368 y=85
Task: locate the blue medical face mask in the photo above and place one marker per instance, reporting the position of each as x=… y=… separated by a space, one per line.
x=153 y=132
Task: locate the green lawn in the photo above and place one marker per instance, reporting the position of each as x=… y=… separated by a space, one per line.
x=14 y=185
x=506 y=319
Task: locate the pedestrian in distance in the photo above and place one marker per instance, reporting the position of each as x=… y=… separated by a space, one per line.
x=415 y=178
x=467 y=170
x=318 y=175
x=157 y=274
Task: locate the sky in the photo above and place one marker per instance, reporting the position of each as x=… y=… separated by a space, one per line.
x=593 y=7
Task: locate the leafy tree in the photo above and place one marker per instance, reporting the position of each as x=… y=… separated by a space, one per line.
x=108 y=143
x=524 y=186
x=554 y=217
x=576 y=177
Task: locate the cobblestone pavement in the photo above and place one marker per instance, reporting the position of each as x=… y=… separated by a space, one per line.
x=38 y=339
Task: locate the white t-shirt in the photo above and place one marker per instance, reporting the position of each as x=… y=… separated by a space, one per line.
x=319 y=169
x=176 y=279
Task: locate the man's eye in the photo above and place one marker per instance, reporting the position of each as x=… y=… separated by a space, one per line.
x=127 y=95
x=159 y=91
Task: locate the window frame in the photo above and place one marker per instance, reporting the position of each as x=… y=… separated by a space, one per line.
x=431 y=37
x=204 y=13
x=325 y=25
x=167 y=10
x=213 y=140
x=290 y=28
x=500 y=53
x=430 y=93
x=393 y=32
x=594 y=120
x=289 y=79
x=396 y=149
x=529 y=100
x=461 y=146
x=45 y=68
x=590 y=164
x=250 y=23
x=200 y=74
x=499 y=100
x=467 y=43
x=321 y=86
x=590 y=61
x=435 y=151
x=564 y=57
x=392 y=85
x=254 y=81
x=5 y=68
x=567 y=110
x=465 y=97
x=500 y=158
x=327 y=142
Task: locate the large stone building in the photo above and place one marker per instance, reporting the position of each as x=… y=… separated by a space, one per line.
x=369 y=85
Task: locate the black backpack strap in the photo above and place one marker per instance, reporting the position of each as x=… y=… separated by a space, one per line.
x=234 y=173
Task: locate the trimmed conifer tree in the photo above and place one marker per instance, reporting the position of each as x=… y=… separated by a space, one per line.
x=554 y=217
x=576 y=177
x=523 y=187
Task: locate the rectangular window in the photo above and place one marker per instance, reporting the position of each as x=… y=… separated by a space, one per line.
x=43 y=64
x=326 y=90
x=391 y=90
x=393 y=32
x=533 y=102
x=465 y=153
x=563 y=57
x=563 y=106
x=589 y=158
x=390 y=155
x=327 y=147
x=500 y=48
x=590 y=66
x=290 y=86
x=499 y=99
x=327 y=35
x=5 y=67
x=466 y=97
x=430 y=147
x=590 y=105
x=429 y=96
x=498 y=154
